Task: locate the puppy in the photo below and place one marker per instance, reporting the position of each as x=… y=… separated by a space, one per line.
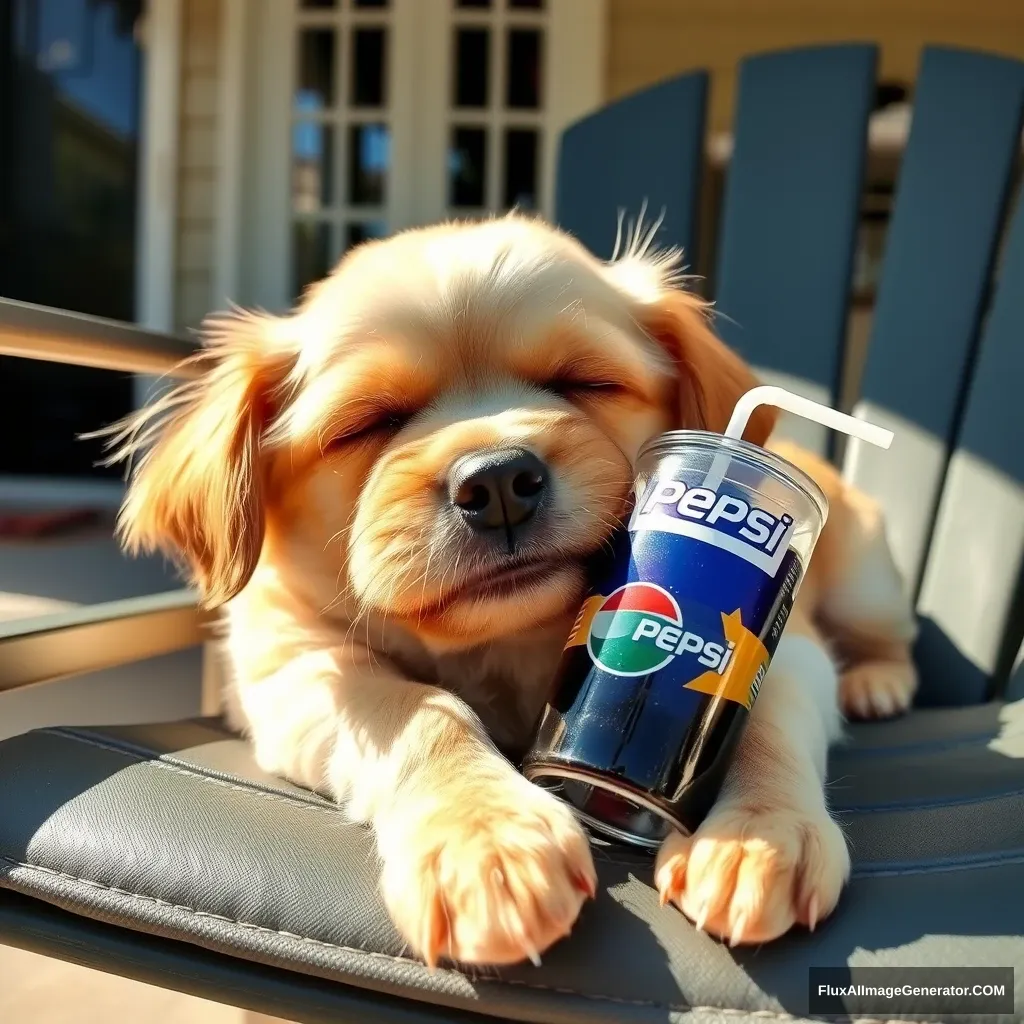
x=393 y=492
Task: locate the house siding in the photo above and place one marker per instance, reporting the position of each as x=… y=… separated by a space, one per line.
x=650 y=40
x=197 y=161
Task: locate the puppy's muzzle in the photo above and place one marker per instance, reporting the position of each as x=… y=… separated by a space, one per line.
x=498 y=491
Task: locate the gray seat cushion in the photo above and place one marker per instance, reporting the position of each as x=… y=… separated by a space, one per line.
x=172 y=835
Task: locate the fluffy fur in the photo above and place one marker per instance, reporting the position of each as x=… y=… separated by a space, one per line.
x=384 y=653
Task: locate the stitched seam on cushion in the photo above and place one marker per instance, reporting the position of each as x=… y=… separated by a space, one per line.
x=969 y=863
x=143 y=753
x=924 y=747
x=598 y=997
x=156 y=762
x=952 y=802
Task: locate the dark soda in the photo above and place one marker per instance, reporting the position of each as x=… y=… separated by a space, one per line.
x=667 y=656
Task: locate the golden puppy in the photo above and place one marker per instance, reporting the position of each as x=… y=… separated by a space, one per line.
x=393 y=493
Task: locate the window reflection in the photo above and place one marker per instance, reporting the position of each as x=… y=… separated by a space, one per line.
x=363 y=231
x=467 y=167
x=312 y=166
x=311 y=253
x=369 y=67
x=471 y=67
x=524 y=71
x=316 y=69
x=369 y=156
x=521 y=168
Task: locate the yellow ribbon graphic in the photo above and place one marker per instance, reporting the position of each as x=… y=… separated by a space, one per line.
x=749 y=658
x=581 y=627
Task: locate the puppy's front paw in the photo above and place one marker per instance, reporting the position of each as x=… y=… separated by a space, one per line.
x=748 y=875
x=494 y=875
x=877 y=689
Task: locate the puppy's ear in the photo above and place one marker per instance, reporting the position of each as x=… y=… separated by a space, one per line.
x=710 y=376
x=196 y=493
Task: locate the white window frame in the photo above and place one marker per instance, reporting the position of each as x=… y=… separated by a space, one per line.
x=254 y=217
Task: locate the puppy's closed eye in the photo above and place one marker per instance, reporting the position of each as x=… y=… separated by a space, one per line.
x=571 y=385
x=374 y=426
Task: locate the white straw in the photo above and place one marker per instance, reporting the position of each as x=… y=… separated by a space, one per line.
x=768 y=394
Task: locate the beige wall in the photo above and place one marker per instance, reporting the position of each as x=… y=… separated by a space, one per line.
x=197 y=160
x=650 y=40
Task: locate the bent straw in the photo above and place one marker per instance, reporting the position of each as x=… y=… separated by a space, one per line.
x=769 y=394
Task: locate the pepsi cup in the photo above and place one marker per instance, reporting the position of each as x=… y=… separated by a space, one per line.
x=669 y=651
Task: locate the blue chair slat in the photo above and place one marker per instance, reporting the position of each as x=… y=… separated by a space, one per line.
x=647 y=148
x=790 y=216
x=949 y=209
x=1015 y=686
x=970 y=600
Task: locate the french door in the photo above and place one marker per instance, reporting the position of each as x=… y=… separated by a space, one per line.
x=393 y=113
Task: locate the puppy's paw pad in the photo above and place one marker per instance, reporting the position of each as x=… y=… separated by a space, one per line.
x=877 y=689
x=748 y=875
x=495 y=877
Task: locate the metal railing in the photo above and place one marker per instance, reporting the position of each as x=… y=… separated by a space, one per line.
x=56 y=336
x=68 y=643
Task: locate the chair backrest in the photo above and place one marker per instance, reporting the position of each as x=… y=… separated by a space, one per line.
x=971 y=604
x=950 y=206
x=790 y=217
x=644 y=150
x=945 y=368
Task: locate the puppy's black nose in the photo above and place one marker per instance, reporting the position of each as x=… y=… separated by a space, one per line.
x=497 y=489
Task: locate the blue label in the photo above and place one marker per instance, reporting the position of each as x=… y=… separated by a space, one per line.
x=715 y=517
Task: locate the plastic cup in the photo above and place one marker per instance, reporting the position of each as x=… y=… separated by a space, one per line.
x=668 y=653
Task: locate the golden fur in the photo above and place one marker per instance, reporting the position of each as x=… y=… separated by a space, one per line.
x=383 y=653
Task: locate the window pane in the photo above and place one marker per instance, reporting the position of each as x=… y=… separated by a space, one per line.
x=311 y=253
x=472 y=3
x=471 y=67
x=369 y=67
x=523 y=69
x=364 y=231
x=317 y=4
x=467 y=167
x=521 y=168
x=527 y=5
x=371 y=3
x=312 y=166
x=368 y=156
x=316 y=69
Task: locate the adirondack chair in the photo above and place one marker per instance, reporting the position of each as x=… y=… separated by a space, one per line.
x=162 y=853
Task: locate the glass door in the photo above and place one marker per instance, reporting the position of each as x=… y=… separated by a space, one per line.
x=69 y=120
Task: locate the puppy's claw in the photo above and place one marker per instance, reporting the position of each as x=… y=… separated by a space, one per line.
x=435 y=934
x=812 y=912
x=671 y=880
x=586 y=885
x=702 y=916
x=791 y=868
